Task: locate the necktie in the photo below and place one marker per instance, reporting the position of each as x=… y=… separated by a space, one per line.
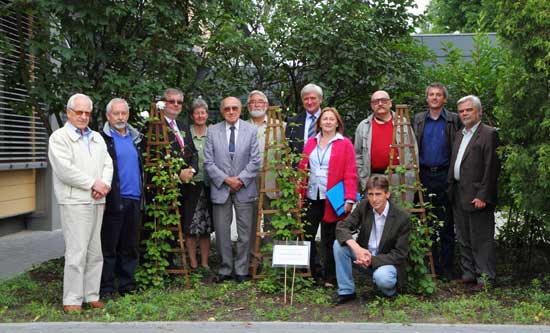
x=178 y=137
x=311 y=129
x=232 y=140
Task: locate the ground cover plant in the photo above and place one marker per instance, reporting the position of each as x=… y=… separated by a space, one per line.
x=36 y=296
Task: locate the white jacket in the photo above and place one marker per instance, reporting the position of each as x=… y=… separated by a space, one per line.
x=75 y=167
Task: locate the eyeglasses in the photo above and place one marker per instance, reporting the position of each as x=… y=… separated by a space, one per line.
x=258 y=102
x=81 y=113
x=378 y=100
x=175 y=102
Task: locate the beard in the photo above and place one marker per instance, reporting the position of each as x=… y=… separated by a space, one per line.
x=256 y=113
x=119 y=125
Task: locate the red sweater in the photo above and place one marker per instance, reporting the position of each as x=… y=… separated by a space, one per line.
x=341 y=166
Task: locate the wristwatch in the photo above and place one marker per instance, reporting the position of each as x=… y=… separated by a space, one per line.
x=193 y=170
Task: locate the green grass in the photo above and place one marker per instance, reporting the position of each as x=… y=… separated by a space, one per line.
x=36 y=296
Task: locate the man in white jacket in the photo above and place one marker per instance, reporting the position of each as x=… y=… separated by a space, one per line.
x=82 y=173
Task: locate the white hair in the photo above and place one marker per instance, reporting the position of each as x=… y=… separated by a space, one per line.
x=475 y=102
x=109 y=106
x=311 y=88
x=256 y=92
x=70 y=102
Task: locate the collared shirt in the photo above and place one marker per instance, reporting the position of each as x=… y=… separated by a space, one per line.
x=129 y=175
x=318 y=168
x=435 y=152
x=176 y=129
x=85 y=135
x=467 y=136
x=261 y=136
x=228 y=132
x=378 y=229
x=200 y=142
x=309 y=123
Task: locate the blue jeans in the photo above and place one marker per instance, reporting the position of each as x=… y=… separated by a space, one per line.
x=385 y=277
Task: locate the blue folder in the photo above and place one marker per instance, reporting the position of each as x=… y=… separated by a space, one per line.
x=337 y=199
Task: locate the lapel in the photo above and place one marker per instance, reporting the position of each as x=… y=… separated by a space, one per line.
x=301 y=129
x=474 y=139
x=239 y=143
x=222 y=137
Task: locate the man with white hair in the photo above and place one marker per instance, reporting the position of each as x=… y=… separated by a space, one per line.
x=82 y=173
x=119 y=230
x=472 y=180
x=302 y=126
x=257 y=105
x=298 y=130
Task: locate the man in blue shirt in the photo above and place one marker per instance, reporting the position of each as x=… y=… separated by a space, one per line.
x=119 y=241
x=435 y=129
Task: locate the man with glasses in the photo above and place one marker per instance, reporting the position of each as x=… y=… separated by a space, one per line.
x=119 y=231
x=373 y=138
x=257 y=105
x=181 y=142
x=232 y=160
x=82 y=173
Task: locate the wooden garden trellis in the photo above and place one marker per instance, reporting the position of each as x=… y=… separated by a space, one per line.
x=401 y=124
x=158 y=147
x=273 y=148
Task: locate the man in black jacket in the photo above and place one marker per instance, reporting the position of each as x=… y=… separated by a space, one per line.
x=435 y=130
x=119 y=235
x=382 y=246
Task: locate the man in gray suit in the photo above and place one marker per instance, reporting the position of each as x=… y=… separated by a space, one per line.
x=232 y=160
x=472 y=179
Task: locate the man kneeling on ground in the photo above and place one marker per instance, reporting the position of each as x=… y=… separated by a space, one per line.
x=382 y=245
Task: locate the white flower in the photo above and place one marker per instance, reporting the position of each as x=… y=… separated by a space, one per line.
x=144 y=114
x=160 y=105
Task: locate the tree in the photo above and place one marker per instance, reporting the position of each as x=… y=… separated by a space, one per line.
x=463 y=16
x=523 y=113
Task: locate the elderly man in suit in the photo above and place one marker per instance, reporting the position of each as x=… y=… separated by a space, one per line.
x=301 y=127
x=472 y=180
x=82 y=174
x=382 y=246
x=232 y=160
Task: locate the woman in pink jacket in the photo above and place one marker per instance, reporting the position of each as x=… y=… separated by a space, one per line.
x=329 y=158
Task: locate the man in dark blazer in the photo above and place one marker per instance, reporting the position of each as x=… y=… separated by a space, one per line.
x=472 y=180
x=435 y=131
x=382 y=246
x=232 y=160
x=302 y=126
x=181 y=142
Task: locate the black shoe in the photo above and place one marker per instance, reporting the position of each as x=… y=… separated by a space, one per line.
x=220 y=278
x=242 y=278
x=341 y=299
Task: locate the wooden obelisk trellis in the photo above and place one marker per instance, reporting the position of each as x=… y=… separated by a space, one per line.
x=274 y=129
x=158 y=146
x=402 y=123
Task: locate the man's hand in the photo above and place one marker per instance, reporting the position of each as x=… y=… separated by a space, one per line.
x=186 y=175
x=479 y=204
x=234 y=183
x=362 y=255
x=100 y=189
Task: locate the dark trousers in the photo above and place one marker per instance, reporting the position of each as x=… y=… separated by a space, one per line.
x=314 y=218
x=119 y=243
x=475 y=233
x=443 y=238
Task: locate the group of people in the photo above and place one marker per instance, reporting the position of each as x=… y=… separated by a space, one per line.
x=98 y=181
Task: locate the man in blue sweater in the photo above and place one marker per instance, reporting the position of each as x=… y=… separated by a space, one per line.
x=119 y=235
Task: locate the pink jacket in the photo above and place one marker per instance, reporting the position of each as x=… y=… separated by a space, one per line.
x=341 y=166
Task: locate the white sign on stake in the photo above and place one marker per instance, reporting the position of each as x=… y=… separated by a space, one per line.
x=291 y=255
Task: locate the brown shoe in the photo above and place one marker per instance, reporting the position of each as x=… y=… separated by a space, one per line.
x=72 y=308
x=96 y=304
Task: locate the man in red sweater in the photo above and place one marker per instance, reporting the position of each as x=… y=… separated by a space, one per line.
x=373 y=138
